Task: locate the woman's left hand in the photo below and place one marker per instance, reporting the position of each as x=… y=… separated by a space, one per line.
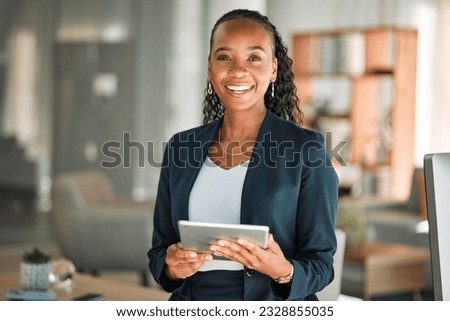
x=270 y=261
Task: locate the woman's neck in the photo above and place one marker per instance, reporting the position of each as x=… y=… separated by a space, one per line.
x=242 y=125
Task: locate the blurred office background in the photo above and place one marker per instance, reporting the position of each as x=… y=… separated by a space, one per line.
x=78 y=75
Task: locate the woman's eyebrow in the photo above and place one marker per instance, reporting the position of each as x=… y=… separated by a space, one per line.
x=223 y=49
x=256 y=48
x=248 y=48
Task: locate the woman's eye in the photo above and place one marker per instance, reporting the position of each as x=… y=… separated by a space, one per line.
x=254 y=58
x=223 y=58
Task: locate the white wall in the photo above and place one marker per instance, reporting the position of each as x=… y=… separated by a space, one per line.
x=439 y=134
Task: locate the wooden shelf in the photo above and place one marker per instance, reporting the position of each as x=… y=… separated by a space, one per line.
x=380 y=64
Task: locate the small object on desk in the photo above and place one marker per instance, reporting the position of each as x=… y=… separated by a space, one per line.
x=90 y=297
x=19 y=295
x=62 y=272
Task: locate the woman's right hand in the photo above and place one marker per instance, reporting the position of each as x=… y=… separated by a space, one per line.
x=181 y=264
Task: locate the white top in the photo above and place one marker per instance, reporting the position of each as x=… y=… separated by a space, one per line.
x=216 y=198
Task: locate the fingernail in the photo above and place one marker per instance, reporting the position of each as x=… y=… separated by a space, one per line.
x=220 y=243
x=193 y=254
x=212 y=248
x=208 y=257
x=240 y=241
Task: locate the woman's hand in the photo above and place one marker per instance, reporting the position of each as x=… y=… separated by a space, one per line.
x=270 y=261
x=181 y=264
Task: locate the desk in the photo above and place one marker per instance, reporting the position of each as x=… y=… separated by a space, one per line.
x=389 y=268
x=84 y=283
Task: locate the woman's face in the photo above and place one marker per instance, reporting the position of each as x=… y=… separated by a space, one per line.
x=241 y=64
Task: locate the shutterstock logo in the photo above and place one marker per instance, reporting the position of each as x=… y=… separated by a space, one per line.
x=119 y=154
x=189 y=151
x=334 y=152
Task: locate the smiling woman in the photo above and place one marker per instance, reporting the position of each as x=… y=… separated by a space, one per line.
x=250 y=163
x=242 y=64
x=283 y=101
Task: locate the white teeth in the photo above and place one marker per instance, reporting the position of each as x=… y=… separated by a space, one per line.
x=239 y=89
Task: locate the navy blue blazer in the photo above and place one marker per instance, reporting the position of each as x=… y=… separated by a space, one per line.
x=290 y=186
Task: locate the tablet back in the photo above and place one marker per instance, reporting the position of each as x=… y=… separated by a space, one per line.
x=198 y=236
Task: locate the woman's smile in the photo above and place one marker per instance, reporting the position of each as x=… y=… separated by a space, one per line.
x=238 y=89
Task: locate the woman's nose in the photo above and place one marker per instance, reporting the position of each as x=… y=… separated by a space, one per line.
x=238 y=69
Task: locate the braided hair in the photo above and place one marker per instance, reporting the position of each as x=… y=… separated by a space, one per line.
x=285 y=102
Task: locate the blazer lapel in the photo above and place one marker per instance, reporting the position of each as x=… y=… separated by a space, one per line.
x=257 y=172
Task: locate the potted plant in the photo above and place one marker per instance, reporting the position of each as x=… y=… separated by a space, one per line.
x=352 y=222
x=34 y=271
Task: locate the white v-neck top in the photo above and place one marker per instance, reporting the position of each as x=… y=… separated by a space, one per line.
x=216 y=198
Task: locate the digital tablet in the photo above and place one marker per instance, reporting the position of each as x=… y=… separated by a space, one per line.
x=199 y=236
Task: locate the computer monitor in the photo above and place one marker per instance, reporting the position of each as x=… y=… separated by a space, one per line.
x=437 y=183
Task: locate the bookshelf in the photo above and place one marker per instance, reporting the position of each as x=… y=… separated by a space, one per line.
x=360 y=86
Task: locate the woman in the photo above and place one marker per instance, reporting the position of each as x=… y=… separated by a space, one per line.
x=250 y=163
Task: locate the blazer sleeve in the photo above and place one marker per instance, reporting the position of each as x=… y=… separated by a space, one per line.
x=164 y=233
x=315 y=222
